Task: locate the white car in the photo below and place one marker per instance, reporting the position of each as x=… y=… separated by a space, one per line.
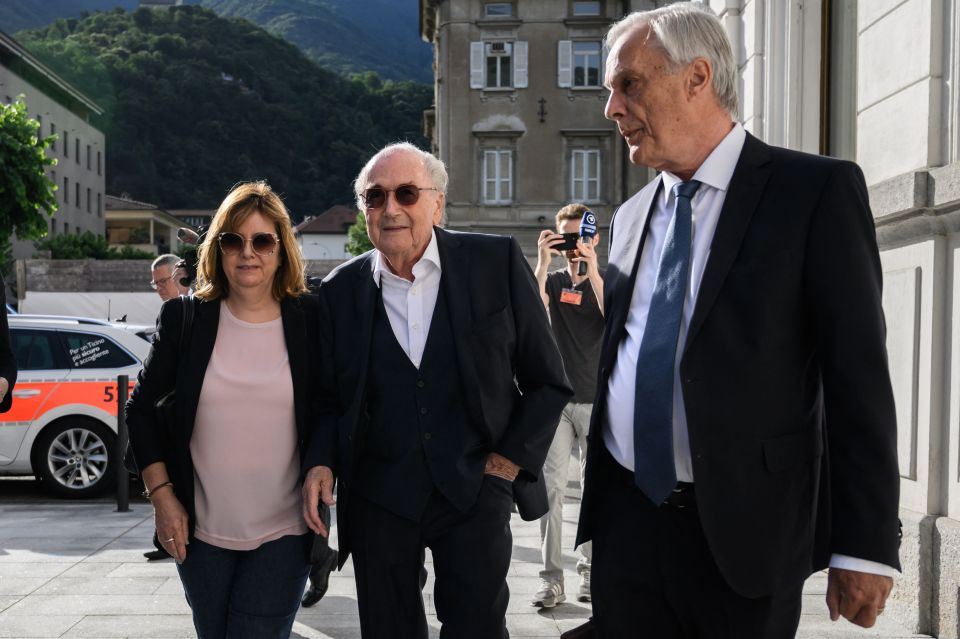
x=62 y=426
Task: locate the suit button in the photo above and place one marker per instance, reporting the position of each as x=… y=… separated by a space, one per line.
x=426 y=435
x=420 y=383
x=424 y=411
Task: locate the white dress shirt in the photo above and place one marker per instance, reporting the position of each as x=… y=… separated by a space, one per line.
x=714 y=176
x=409 y=304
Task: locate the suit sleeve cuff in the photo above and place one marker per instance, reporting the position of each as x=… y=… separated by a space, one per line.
x=846 y=562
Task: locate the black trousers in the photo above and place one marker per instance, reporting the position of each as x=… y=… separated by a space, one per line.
x=653 y=574
x=471 y=557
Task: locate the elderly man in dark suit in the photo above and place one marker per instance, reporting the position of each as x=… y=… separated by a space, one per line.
x=441 y=390
x=743 y=433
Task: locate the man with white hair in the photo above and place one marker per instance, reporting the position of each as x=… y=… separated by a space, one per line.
x=441 y=386
x=744 y=432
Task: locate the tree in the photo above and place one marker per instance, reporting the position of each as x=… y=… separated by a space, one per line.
x=25 y=190
x=358 y=242
x=88 y=246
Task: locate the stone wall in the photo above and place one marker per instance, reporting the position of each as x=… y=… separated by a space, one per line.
x=128 y=276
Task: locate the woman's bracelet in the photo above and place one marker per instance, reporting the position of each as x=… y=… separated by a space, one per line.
x=146 y=494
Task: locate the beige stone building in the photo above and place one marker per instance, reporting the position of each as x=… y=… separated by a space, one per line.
x=80 y=149
x=518 y=115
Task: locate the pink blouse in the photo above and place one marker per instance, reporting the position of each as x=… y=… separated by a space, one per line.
x=244 y=444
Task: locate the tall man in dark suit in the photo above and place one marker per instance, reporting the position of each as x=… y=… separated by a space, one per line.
x=441 y=390
x=744 y=432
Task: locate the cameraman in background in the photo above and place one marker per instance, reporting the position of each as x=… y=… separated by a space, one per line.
x=167 y=274
x=574 y=303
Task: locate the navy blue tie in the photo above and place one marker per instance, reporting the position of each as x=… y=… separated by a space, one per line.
x=654 y=470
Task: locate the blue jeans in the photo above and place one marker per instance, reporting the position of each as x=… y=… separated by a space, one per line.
x=246 y=593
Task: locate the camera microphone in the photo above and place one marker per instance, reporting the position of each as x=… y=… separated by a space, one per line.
x=187 y=236
x=588 y=228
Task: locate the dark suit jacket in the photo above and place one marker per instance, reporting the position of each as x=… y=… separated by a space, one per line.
x=8 y=363
x=784 y=373
x=166 y=368
x=510 y=368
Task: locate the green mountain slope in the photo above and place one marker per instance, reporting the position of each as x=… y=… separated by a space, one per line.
x=345 y=35
x=195 y=102
x=16 y=15
x=348 y=36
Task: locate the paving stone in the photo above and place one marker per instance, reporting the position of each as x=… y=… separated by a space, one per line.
x=44 y=626
x=146 y=626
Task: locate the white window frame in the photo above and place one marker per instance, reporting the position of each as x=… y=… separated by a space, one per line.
x=488 y=53
x=487 y=14
x=502 y=184
x=586 y=58
x=585 y=159
x=574 y=12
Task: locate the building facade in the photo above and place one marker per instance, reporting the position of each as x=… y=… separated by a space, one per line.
x=80 y=149
x=518 y=115
x=324 y=236
x=874 y=81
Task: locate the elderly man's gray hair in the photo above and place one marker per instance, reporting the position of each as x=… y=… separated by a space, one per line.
x=165 y=260
x=434 y=167
x=685 y=31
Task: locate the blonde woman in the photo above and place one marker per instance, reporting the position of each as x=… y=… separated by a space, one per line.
x=224 y=478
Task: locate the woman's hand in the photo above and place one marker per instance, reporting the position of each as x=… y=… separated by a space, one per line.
x=172 y=523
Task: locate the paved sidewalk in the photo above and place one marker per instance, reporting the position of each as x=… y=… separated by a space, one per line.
x=77 y=570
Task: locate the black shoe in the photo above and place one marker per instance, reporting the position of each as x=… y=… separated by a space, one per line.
x=156 y=554
x=319 y=580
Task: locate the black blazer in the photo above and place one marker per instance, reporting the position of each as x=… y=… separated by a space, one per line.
x=510 y=368
x=165 y=368
x=784 y=373
x=8 y=363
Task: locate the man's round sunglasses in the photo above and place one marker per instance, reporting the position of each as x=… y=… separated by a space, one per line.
x=406 y=195
x=261 y=243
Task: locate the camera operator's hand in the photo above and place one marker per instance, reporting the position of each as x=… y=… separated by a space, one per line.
x=548 y=239
x=545 y=252
x=587 y=253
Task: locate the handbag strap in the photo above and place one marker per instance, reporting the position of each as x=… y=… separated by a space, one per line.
x=186 y=325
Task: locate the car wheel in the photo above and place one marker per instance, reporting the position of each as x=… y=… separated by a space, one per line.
x=76 y=458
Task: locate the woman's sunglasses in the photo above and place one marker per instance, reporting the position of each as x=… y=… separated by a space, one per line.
x=261 y=243
x=406 y=195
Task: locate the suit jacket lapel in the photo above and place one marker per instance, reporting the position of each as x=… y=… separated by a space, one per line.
x=743 y=196
x=364 y=297
x=631 y=225
x=455 y=265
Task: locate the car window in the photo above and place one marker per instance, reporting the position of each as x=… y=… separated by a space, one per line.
x=35 y=350
x=90 y=350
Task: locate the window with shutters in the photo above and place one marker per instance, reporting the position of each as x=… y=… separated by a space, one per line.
x=497 y=178
x=498 y=65
x=585 y=175
x=76 y=154
x=53 y=131
x=580 y=64
x=76 y=197
x=66 y=190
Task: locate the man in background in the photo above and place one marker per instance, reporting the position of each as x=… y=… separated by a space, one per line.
x=575 y=305
x=166 y=277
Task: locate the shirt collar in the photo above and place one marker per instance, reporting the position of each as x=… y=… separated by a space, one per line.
x=431 y=256
x=717 y=170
